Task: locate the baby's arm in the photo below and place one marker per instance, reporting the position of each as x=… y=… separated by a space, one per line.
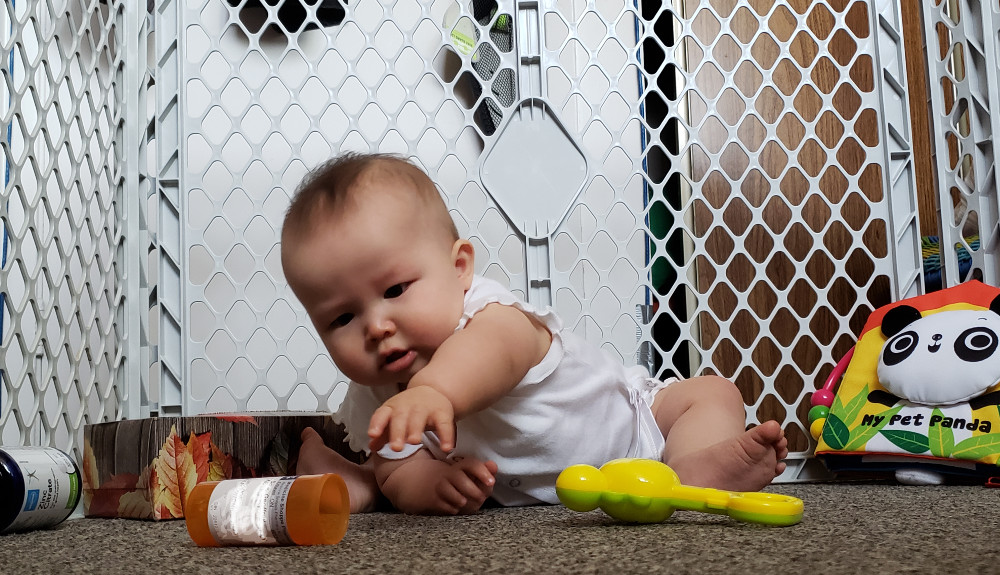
x=470 y=371
x=423 y=485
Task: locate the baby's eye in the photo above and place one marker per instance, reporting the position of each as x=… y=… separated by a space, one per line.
x=396 y=290
x=342 y=320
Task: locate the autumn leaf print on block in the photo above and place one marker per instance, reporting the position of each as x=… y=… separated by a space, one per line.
x=145 y=468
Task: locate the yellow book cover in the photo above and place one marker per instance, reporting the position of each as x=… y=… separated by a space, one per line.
x=924 y=381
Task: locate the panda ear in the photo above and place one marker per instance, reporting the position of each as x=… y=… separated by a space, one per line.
x=995 y=305
x=899 y=317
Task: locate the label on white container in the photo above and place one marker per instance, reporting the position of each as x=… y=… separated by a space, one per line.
x=464 y=34
x=250 y=511
x=51 y=487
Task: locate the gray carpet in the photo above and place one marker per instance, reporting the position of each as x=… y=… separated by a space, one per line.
x=847 y=528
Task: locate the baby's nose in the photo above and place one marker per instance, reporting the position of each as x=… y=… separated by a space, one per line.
x=380 y=327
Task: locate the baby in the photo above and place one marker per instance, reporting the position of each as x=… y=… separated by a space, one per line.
x=462 y=391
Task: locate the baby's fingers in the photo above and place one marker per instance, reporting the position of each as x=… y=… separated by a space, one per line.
x=473 y=491
x=396 y=427
x=377 y=428
x=451 y=498
x=444 y=426
x=406 y=428
x=484 y=473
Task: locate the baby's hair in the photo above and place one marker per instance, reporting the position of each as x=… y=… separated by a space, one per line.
x=327 y=189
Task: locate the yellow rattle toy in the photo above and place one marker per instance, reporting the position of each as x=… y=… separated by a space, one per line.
x=647 y=491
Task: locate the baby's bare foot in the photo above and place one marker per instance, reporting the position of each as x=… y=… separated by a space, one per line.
x=747 y=462
x=315 y=458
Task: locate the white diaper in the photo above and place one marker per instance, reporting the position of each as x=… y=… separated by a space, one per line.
x=647 y=440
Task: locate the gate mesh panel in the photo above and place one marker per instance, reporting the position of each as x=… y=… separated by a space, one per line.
x=63 y=217
x=734 y=217
x=961 y=48
x=745 y=195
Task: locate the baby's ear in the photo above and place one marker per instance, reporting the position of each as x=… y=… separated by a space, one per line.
x=464 y=256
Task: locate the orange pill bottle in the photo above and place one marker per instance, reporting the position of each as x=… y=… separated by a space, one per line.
x=303 y=510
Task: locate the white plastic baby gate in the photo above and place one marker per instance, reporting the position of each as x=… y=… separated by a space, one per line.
x=698 y=186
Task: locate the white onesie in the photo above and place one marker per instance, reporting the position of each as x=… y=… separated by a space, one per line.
x=578 y=405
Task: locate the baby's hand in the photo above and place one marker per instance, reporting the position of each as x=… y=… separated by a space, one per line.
x=466 y=486
x=404 y=417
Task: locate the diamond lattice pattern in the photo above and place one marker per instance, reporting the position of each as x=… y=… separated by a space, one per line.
x=61 y=207
x=732 y=220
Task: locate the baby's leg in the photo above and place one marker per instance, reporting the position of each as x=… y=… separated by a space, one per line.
x=315 y=457
x=704 y=422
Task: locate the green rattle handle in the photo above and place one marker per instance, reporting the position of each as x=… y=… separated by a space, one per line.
x=647 y=491
x=752 y=507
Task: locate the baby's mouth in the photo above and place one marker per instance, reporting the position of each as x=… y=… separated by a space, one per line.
x=398 y=360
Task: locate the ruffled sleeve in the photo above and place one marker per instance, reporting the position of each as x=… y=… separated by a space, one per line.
x=485 y=291
x=356 y=411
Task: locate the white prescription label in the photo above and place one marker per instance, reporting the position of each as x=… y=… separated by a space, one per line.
x=250 y=511
x=51 y=487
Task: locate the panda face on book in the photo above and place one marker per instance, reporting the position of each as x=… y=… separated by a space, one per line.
x=944 y=358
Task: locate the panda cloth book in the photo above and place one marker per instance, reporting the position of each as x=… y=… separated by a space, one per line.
x=920 y=392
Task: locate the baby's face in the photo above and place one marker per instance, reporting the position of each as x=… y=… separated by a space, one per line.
x=382 y=285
